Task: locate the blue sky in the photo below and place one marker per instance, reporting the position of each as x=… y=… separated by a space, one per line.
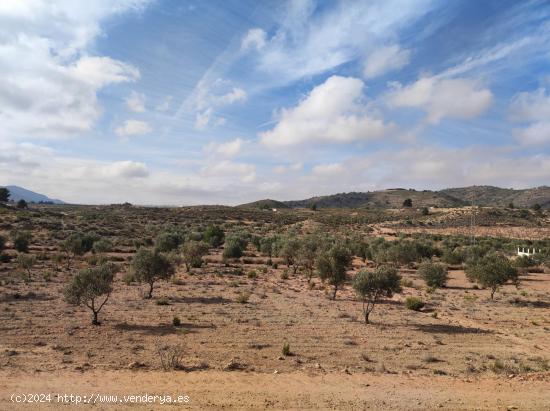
x=187 y=102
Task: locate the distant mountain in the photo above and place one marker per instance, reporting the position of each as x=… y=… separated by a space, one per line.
x=394 y=198
x=265 y=204
x=17 y=193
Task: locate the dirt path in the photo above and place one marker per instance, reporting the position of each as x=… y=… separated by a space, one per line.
x=239 y=390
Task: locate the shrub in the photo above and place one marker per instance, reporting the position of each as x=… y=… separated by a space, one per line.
x=425 y=211
x=332 y=265
x=89 y=286
x=252 y=274
x=492 y=271
x=168 y=241
x=407 y=203
x=435 y=275
x=21 y=240
x=453 y=257
x=176 y=322
x=243 y=297
x=22 y=204
x=102 y=246
x=170 y=357
x=26 y=262
x=286 y=349
x=372 y=286
x=128 y=277
x=151 y=266
x=214 y=235
x=414 y=303
x=232 y=249
x=163 y=301
x=284 y=275
x=2 y=243
x=192 y=253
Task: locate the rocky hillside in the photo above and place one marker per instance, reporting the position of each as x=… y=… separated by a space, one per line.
x=394 y=198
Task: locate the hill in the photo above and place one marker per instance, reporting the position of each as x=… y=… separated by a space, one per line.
x=501 y=197
x=266 y=204
x=391 y=198
x=394 y=198
x=17 y=193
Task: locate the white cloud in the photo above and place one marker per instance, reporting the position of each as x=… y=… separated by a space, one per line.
x=254 y=38
x=133 y=128
x=202 y=119
x=456 y=98
x=127 y=169
x=136 y=102
x=332 y=113
x=228 y=149
x=385 y=59
x=309 y=41
x=328 y=170
x=530 y=106
x=209 y=97
x=50 y=83
x=291 y=167
x=245 y=172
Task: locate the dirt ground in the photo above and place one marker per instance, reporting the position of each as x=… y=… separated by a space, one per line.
x=297 y=390
x=461 y=351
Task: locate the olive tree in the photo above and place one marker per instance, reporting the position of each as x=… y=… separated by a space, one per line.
x=307 y=253
x=168 y=241
x=91 y=287
x=75 y=245
x=266 y=246
x=371 y=286
x=214 y=235
x=151 y=266
x=4 y=195
x=332 y=265
x=492 y=271
x=21 y=240
x=192 y=253
x=434 y=275
x=287 y=249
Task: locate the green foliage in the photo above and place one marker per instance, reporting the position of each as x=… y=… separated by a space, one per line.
x=525 y=261
x=434 y=275
x=492 y=271
x=307 y=253
x=26 y=262
x=407 y=203
x=286 y=349
x=454 y=257
x=287 y=248
x=192 y=252
x=332 y=265
x=234 y=248
x=22 y=204
x=425 y=211
x=4 y=195
x=2 y=243
x=151 y=266
x=371 y=286
x=414 y=303
x=266 y=245
x=176 y=322
x=89 y=286
x=168 y=241
x=102 y=246
x=78 y=244
x=214 y=235
x=21 y=240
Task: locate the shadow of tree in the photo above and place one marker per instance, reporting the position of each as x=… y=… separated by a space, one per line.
x=450 y=329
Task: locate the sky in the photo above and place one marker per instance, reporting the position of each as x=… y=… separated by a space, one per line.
x=165 y=102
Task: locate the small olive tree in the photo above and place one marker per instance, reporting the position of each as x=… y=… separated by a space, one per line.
x=151 y=266
x=77 y=244
x=214 y=235
x=332 y=265
x=21 y=240
x=26 y=262
x=192 y=253
x=92 y=287
x=492 y=271
x=371 y=286
x=434 y=275
x=307 y=253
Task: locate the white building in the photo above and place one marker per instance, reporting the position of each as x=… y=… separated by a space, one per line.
x=528 y=253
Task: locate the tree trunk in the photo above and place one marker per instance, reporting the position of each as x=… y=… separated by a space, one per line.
x=150 y=295
x=493 y=293
x=367 y=317
x=95 y=321
x=334 y=293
